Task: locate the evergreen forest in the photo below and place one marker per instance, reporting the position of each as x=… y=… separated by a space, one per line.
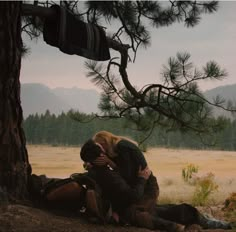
x=63 y=130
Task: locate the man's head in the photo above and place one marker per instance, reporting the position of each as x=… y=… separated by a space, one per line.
x=90 y=151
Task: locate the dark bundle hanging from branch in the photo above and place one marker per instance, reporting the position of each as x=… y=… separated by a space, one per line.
x=177 y=102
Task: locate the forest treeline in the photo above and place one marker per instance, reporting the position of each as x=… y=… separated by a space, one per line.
x=63 y=130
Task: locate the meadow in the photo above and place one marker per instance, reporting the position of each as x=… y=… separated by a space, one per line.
x=166 y=164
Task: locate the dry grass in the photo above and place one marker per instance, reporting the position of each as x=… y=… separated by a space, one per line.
x=166 y=165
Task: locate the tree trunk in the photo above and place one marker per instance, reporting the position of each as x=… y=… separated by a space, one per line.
x=14 y=164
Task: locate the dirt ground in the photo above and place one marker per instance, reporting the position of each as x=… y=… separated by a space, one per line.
x=21 y=218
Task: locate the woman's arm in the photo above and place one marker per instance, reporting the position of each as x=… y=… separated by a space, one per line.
x=144 y=173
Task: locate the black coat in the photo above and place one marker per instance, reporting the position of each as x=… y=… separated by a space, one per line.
x=122 y=186
x=129 y=159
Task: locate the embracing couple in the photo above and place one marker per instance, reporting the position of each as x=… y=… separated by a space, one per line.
x=120 y=169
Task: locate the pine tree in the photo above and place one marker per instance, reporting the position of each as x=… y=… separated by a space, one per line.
x=14 y=164
x=160 y=100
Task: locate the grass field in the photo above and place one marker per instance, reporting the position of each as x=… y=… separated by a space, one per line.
x=166 y=164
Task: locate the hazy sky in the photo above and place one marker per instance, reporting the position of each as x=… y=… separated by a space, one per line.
x=213 y=39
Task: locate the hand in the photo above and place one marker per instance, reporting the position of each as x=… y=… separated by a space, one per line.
x=115 y=217
x=145 y=173
x=87 y=165
x=102 y=160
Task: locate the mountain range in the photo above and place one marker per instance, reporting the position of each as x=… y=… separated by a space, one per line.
x=37 y=98
x=228 y=93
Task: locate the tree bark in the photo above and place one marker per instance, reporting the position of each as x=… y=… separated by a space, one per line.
x=14 y=164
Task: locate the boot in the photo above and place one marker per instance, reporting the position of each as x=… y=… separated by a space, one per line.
x=207 y=222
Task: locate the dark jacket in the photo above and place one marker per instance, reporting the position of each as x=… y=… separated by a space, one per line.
x=129 y=158
x=122 y=186
x=114 y=188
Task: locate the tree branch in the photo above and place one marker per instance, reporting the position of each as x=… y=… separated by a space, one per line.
x=42 y=12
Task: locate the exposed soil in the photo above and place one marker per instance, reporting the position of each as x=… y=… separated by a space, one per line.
x=21 y=218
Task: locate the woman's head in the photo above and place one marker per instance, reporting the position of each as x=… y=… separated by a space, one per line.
x=90 y=151
x=107 y=140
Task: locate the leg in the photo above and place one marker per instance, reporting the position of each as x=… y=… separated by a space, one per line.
x=212 y=223
x=187 y=215
x=145 y=219
x=184 y=214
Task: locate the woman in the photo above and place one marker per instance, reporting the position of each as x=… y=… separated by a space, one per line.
x=123 y=154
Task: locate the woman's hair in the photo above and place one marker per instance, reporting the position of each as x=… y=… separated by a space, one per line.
x=105 y=137
x=90 y=151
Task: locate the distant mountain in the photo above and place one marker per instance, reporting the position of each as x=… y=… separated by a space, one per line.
x=37 y=98
x=227 y=92
x=84 y=100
